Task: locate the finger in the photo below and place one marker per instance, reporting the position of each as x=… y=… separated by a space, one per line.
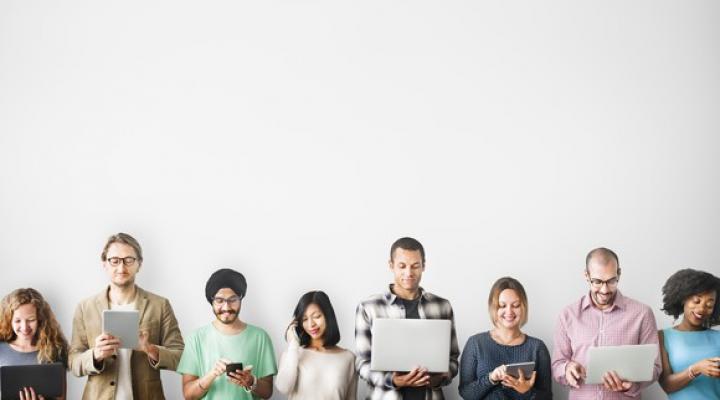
x=33 y=396
x=21 y=395
x=521 y=374
x=532 y=378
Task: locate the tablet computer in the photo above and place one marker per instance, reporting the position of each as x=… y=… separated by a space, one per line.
x=47 y=380
x=403 y=344
x=526 y=367
x=632 y=363
x=124 y=325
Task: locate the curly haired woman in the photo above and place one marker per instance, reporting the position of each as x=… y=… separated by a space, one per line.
x=29 y=333
x=690 y=350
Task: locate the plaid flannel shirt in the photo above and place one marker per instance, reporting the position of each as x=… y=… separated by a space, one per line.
x=386 y=306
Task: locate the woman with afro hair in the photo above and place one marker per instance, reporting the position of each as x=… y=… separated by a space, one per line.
x=690 y=350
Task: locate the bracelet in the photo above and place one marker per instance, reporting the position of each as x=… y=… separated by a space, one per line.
x=201 y=386
x=253 y=386
x=691 y=373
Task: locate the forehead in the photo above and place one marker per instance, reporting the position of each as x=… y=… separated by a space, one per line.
x=120 y=250
x=407 y=256
x=508 y=296
x=25 y=311
x=709 y=295
x=602 y=270
x=313 y=309
x=225 y=292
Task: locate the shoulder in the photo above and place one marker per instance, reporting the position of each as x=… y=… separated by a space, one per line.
x=572 y=310
x=152 y=297
x=536 y=343
x=637 y=307
x=373 y=300
x=256 y=332
x=199 y=334
x=478 y=339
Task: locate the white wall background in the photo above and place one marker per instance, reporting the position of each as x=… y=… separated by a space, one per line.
x=296 y=140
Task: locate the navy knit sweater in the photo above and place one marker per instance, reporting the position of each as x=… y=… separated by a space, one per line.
x=482 y=355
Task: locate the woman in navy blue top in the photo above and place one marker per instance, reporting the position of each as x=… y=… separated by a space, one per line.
x=483 y=372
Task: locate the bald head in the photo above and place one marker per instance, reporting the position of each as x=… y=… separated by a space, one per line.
x=602 y=256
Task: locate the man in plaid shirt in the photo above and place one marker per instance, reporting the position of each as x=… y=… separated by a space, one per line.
x=404 y=299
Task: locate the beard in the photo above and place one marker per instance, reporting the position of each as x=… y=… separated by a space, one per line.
x=231 y=314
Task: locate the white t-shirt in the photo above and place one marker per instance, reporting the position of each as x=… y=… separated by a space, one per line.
x=124 y=380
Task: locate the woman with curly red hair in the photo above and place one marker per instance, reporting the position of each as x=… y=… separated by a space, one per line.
x=29 y=333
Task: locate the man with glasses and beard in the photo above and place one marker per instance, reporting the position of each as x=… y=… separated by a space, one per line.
x=113 y=372
x=227 y=340
x=602 y=317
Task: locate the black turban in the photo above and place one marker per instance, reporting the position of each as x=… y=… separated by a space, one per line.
x=225 y=278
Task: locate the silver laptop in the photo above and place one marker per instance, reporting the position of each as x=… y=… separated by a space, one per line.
x=632 y=363
x=402 y=344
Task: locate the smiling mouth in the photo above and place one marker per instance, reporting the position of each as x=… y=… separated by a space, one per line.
x=698 y=316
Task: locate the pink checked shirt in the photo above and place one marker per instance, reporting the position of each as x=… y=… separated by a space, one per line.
x=581 y=325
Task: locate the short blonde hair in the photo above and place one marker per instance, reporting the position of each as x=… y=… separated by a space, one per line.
x=123 y=238
x=494 y=298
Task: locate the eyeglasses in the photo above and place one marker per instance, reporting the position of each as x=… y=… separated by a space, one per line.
x=115 y=261
x=598 y=283
x=218 y=301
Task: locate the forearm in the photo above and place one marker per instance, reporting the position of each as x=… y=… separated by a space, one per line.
x=287 y=371
x=195 y=388
x=674 y=382
x=264 y=387
x=477 y=388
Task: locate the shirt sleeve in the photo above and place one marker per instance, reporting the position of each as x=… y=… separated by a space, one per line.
x=288 y=369
x=543 y=380
x=562 y=352
x=648 y=335
x=363 y=350
x=474 y=386
x=190 y=363
x=454 y=350
x=171 y=343
x=266 y=358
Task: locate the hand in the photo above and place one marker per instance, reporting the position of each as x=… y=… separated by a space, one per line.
x=497 y=375
x=105 y=346
x=146 y=347
x=291 y=334
x=417 y=377
x=574 y=374
x=520 y=384
x=613 y=382
x=29 y=394
x=437 y=379
x=242 y=377
x=708 y=367
x=219 y=369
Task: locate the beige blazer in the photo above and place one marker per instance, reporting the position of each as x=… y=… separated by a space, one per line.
x=156 y=316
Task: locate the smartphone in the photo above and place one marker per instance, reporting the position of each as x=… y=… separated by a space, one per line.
x=526 y=367
x=232 y=367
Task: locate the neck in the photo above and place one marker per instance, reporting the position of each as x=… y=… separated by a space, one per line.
x=317 y=344
x=122 y=295
x=686 y=326
x=230 y=329
x=508 y=334
x=405 y=294
x=23 y=344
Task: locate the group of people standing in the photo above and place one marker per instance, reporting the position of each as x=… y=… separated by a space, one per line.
x=314 y=367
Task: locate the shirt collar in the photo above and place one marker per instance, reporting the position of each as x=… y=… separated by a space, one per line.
x=391 y=297
x=618 y=303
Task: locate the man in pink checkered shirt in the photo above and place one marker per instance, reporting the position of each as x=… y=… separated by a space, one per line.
x=603 y=317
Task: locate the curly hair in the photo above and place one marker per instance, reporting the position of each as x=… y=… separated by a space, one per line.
x=49 y=339
x=685 y=283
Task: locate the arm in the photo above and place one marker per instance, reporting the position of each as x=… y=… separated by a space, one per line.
x=647 y=335
x=352 y=387
x=672 y=382
x=363 y=350
x=543 y=381
x=171 y=343
x=264 y=387
x=288 y=369
x=472 y=386
x=80 y=355
x=454 y=351
x=195 y=387
x=562 y=352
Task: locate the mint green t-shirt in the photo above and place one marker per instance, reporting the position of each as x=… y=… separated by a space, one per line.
x=206 y=346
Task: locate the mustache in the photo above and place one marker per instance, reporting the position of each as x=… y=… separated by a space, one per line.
x=229 y=312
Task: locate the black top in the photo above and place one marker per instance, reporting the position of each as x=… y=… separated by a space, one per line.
x=411 y=312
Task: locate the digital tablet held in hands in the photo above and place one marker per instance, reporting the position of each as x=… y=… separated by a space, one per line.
x=47 y=380
x=526 y=367
x=124 y=325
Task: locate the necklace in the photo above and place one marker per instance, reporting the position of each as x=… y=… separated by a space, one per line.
x=513 y=339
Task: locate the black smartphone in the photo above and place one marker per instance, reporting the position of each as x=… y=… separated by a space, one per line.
x=232 y=367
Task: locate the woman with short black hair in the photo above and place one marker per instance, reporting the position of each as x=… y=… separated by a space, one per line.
x=690 y=350
x=313 y=366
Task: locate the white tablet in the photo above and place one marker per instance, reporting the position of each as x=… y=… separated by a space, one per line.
x=632 y=363
x=403 y=344
x=123 y=325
